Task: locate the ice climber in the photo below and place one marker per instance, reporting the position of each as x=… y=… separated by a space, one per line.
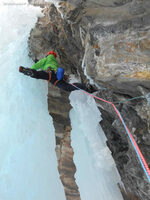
x=50 y=72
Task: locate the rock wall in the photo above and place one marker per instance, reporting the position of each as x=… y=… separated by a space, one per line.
x=40 y=3
x=43 y=37
x=132 y=175
x=111 y=41
x=59 y=107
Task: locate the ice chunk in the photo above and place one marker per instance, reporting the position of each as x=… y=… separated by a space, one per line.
x=96 y=175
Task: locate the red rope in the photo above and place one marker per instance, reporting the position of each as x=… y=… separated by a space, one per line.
x=139 y=154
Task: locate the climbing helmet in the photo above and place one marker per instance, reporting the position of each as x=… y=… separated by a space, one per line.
x=51 y=52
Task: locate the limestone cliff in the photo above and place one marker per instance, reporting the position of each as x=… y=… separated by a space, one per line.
x=111 y=41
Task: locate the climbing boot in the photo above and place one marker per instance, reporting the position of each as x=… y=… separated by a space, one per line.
x=21 y=69
x=26 y=71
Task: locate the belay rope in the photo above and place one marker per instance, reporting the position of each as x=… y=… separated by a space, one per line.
x=123 y=101
x=133 y=142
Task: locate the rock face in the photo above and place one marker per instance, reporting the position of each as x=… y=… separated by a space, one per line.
x=111 y=41
x=116 y=38
x=59 y=107
x=40 y=3
x=135 y=182
x=42 y=39
x=121 y=55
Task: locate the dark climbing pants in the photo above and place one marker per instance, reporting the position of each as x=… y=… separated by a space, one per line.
x=60 y=84
x=40 y=75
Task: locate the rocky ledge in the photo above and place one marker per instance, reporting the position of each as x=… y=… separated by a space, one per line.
x=108 y=42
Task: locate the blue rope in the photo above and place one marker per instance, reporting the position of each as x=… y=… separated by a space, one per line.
x=138 y=97
x=146 y=173
x=148 y=177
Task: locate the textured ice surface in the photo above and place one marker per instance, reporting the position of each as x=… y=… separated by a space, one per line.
x=28 y=164
x=96 y=174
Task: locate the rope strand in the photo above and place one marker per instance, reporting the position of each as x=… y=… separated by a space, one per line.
x=133 y=142
x=138 y=97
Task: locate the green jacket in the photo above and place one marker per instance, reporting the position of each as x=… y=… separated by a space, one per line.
x=45 y=63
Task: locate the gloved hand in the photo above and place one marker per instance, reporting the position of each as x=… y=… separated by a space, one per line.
x=66 y=77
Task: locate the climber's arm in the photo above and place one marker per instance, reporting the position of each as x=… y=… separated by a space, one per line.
x=39 y=64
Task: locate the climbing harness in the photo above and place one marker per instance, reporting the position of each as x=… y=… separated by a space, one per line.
x=133 y=142
x=50 y=76
x=55 y=82
x=49 y=73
